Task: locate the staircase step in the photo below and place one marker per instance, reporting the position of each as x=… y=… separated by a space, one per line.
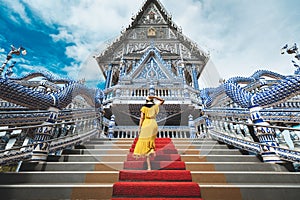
x=245 y=177
x=156 y=189
x=180 y=151
x=222 y=173
x=174 y=140
x=113 y=166
x=233 y=166
x=130 y=141
x=104 y=191
x=56 y=191
x=172 y=198
x=219 y=158
x=250 y=191
x=110 y=158
x=158 y=157
x=47 y=177
x=209 y=152
x=178 y=146
x=155 y=175
x=201 y=177
x=89 y=158
x=167 y=165
x=72 y=166
x=97 y=151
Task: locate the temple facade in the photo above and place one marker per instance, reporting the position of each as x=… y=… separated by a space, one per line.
x=53 y=130
x=152 y=57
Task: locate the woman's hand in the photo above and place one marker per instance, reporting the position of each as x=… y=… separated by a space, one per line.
x=158 y=98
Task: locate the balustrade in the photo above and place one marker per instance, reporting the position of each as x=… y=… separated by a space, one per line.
x=163 y=131
x=132 y=93
x=19 y=143
x=287 y=137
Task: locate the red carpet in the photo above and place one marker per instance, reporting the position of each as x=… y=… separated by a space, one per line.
x=168 y=180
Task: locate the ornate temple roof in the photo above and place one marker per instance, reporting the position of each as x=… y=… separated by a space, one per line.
x=167 y=17
x=152 y=25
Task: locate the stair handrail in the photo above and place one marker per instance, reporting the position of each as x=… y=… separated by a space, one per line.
x=255 y=147
x=24 y=152
x=228 y=134
x=21 y=153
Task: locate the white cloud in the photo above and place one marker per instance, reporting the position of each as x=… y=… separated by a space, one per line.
x=18 y=8
x=86 y=23
x=29 y=68
x=88 y=70
x=242 y=36
x=63 y=35
x=79 y=51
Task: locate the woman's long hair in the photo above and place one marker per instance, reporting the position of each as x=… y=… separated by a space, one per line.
x=149 y=103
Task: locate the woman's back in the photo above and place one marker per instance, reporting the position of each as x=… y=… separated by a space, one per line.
x=150 y=112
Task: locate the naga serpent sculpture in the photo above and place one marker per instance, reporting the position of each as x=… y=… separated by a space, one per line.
x=12 y=91
x=285 y=87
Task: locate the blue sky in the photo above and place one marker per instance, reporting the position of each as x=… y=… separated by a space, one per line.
x=62 y=36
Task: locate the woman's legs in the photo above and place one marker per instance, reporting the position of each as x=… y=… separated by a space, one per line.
x=151 y=153
x=148 y=162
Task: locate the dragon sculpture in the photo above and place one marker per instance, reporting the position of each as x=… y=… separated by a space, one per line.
x=244 y=98
x=42 y=93
x=281 y=89
x=13 y=91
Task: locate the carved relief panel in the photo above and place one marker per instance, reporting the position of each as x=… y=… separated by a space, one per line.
x=152 y=16
x=166 y=47
x=185 y=52
x=158 y=32
x=138 y=47
x=151 y=70
x=138 y=33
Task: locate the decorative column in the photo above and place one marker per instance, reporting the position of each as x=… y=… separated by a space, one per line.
x=151 y=88
x=265 y=136
x=169 y=65
x=111 y=127
x=108 y=76
x=191 y=125
x=195 y=81
x=43 y=134
x=180 y=70
x=122 y=69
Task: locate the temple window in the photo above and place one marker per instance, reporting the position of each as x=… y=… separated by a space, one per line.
x=129 y=69
x=188 y=78
x=151 y=32
x=174 y=70
x=115 y=78
x=152 y=15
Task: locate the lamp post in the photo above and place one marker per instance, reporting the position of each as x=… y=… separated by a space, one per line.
x=13 y=51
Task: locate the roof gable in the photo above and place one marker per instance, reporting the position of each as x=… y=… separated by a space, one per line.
x=152 y=12
x=151 y=66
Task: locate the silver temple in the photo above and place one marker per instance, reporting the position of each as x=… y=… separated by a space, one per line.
x=152 y=56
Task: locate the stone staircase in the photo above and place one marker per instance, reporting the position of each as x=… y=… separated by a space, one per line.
x=90 y=170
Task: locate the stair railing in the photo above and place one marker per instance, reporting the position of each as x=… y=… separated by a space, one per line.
x=241 y=135
x=79 y=132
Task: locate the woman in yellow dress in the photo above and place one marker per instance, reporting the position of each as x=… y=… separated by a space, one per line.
x=148 y=128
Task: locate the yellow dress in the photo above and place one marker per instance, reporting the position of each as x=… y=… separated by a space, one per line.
x=145 y=143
